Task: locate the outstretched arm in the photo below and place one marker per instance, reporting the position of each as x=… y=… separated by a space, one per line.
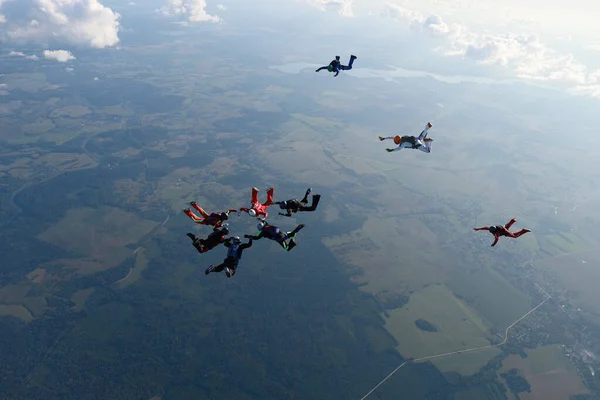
x=246 y=245
x=495 y=240
x=385 y=137
x=485 y=228
x=255 y=237
x=288 y=214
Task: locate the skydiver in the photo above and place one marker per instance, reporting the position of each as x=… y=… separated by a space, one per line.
x=336 y=66
x=235 y=248
x=213 y=219
x=293 y=205
x=213 y=240
x=258 y=209
x=421 y=142
x=500 y=230
x=274 y=233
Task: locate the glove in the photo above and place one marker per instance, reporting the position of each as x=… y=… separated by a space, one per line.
x=389 y=150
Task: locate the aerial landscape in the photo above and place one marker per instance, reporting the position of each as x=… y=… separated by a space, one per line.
x=115 y=115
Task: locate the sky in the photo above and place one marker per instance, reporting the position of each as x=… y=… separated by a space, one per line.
x=556 y=43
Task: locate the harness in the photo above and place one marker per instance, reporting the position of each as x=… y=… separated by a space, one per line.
x=233 y=250
x=410 y=139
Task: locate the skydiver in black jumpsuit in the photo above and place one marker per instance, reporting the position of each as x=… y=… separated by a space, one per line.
x=295 y=205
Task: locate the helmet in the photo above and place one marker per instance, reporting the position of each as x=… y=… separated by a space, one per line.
x=397 y=139
x=252 y=212
x=224 y=216
x=260 y=226
x=282 y=204
x=493 y=229
x=236 y=239
x=225 y=231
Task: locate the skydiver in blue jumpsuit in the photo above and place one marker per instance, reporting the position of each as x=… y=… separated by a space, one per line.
x=276 y=234
x=336 y=66
x=235 y=248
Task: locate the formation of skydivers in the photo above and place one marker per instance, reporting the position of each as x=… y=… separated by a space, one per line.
x=235 y=247
x=287 y=240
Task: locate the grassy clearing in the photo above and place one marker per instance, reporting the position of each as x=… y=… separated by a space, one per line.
x=26 y=82
x=75 y=111
x=141 y=263
x=81 y=296
x=548 y=372
x=17 y=311
x=98 y=234
x=493 y=296
x=37 y=275
x=38 y=127
x=567 y=242
x=458 y=327
x=66 y=161
x=579 y=274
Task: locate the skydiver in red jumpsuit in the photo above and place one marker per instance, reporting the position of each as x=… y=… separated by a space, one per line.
x=500 y=230
x=213 y=219
x=258 y=209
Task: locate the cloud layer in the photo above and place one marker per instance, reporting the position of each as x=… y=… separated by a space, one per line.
x=343 y=7
x=526 y=55
x=193 y=10
x=19 y=54
x=58 y=55
x=83 y=22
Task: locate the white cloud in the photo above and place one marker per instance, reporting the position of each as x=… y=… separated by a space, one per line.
x=593 y=47
x=75 y=21
x=194 y=10
x=59 y=55
x=588 y=90
x=525 y=55
x=19 y=54
x=221 y=7
x=343 y=7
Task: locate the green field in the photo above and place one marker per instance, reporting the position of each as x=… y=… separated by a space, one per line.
x=100 y=235
x=141 y=263
x=548 y=372
x=458 y=328
x=579 y=274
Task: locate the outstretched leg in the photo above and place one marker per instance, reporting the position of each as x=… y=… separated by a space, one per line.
x=254 y=198
x=423 y=134
x=296 y=230
x=305 y=198
x=322 y=68
x=510 y=223
x=425 y=147
x=313 y=206
x=520 y=233
x=199 y=209
x=193 y=216
x=212 y=268
x=269 y=197
x=349 y=66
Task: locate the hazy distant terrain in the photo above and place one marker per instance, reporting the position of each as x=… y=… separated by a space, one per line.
x=103 y=296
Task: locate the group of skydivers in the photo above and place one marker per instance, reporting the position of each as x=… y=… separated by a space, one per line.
x=235 y=247
x=287 y=240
